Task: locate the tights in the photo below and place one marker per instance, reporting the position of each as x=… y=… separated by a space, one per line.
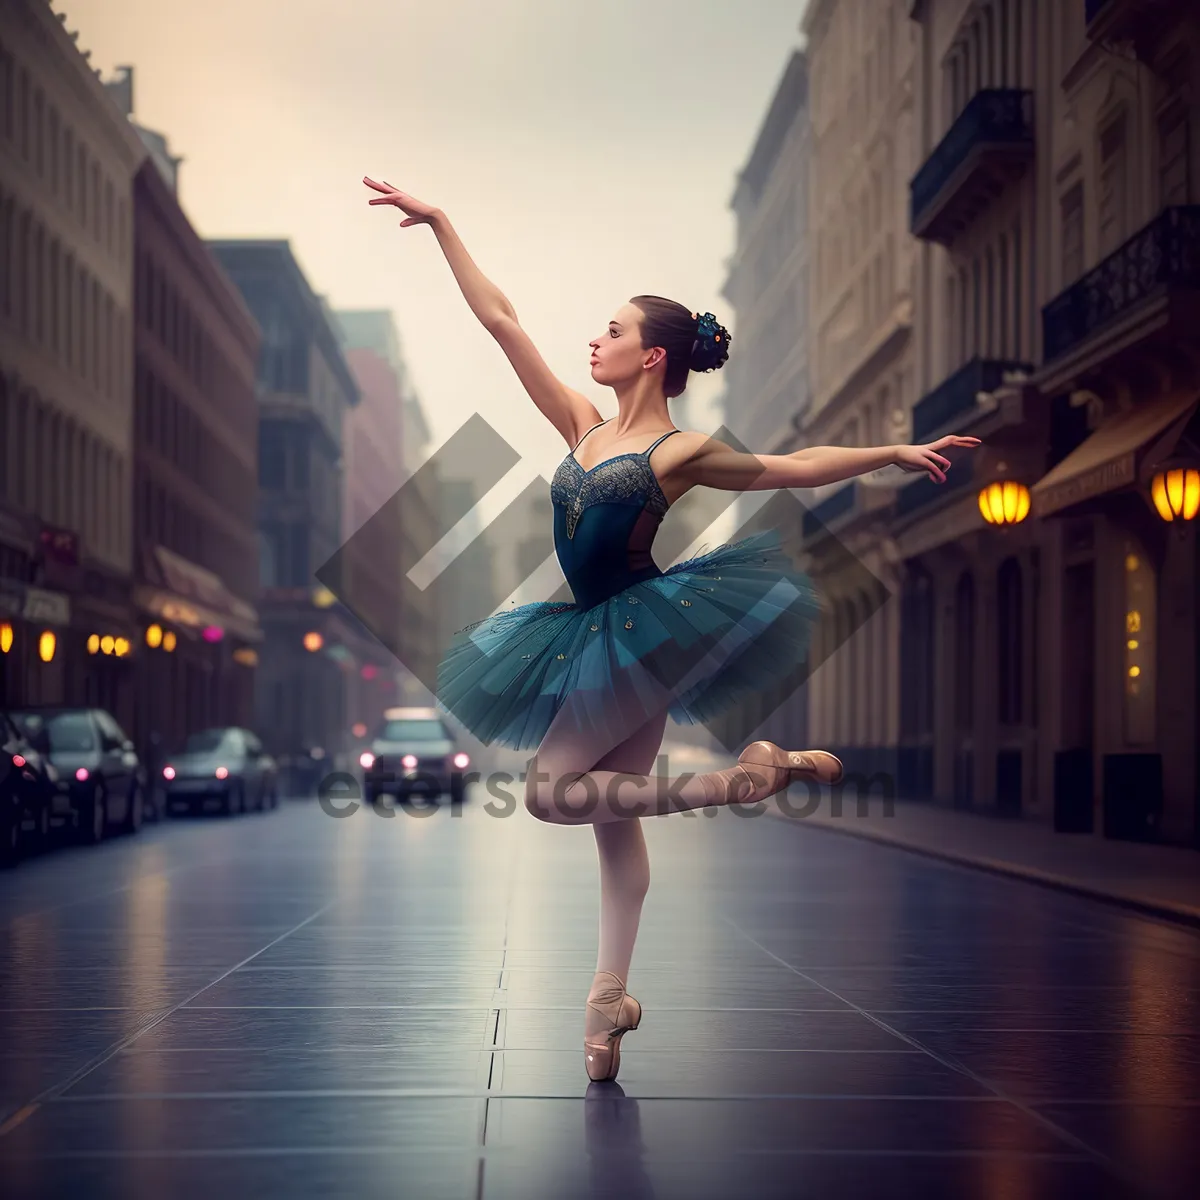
x=579 y=777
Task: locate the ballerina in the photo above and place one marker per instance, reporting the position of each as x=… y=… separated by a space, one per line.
x=590 y=684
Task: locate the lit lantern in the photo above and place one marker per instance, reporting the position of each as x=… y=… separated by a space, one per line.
x=106 y=644
x=169 y=640
x=6 y=638
x=1005 y=502
x=120 y=647
x=1176 y=493
x=154 y=636
x=322 y=597
x=313 y=641
x=46 y=645
x=93 y=644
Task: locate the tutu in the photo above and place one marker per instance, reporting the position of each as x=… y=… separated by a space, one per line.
x=694 y=639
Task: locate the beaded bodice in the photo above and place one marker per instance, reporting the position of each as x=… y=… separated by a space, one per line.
x=605 y=520
x=626 y=478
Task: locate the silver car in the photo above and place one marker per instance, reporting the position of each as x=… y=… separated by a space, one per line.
x=226 y=767
x=413 y=752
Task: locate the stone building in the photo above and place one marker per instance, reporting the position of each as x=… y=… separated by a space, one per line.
x=67 y=162
x=767 y=391
x=1045 y=613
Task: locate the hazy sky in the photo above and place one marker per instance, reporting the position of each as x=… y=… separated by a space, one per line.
x=584 y=152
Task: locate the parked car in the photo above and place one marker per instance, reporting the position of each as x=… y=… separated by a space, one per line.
x=29 y=787
x=226 y=767
x=106 y=785
x=413 y=751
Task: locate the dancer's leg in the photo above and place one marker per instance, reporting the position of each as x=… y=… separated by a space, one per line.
x=624 y=875
x=624 y=862
x=565 y=784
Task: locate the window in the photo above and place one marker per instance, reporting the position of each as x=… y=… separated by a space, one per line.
x=1009 y=645
x=1112 y=180
x=1173 y=156
x=1141 y=610
x=272 y=455
x=1072 y=234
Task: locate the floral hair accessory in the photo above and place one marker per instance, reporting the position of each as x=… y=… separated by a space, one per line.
x=711 y=348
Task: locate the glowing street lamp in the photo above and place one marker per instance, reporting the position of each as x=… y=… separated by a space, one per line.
x=1005 y=502
x=313 y=641
x=1176 y=493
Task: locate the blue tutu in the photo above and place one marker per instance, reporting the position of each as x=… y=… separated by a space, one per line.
x=693 y=639
x=703 y=635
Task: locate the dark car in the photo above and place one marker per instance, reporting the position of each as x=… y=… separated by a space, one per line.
x=29 y=787
x=225 y=767
x=413 y=752
x=106 y=785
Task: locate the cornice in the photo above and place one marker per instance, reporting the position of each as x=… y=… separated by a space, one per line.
x=42 y=23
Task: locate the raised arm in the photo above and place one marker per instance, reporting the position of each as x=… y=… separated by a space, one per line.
x=569 y=411
x=716 y=465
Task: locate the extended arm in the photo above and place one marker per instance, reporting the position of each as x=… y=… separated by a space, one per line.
x=717 y=465
x=570 y=412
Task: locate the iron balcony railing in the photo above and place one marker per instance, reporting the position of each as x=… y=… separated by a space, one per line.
x=1163 y=254
x=956 y=395
x=991 y=116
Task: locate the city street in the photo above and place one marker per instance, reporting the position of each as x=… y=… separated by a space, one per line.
x=287 y=1004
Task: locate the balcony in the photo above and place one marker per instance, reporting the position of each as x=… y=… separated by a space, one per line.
x=1140 y=22
x=954 y=399
x=987 y=147
x=1148 y=285
x=822 y=515
x=917 y=495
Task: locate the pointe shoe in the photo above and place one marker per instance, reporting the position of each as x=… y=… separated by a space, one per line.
x=782 y=766
x=602 y=1052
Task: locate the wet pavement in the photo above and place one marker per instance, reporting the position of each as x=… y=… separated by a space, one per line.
x=287 y=1004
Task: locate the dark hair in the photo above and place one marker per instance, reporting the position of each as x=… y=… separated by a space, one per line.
x=668 y=324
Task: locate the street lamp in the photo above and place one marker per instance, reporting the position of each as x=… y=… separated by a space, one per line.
x=1176 y=493
x=313 y=641
x=1004 y=502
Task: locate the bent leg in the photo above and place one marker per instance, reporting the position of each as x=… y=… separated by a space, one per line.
x=570 y=782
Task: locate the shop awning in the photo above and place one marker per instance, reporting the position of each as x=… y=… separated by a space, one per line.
x=1108 y=459
x=187 y=594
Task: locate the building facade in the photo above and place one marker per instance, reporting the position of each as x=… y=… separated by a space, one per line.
x=312 y=647
x=67 y=162
x=861 y=102
x=386 y=436
x=195 y=568
x=767 y=393
x=1045 y=658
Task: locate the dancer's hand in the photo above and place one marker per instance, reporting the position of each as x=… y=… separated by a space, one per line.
x=927 y=458
x=419 y=213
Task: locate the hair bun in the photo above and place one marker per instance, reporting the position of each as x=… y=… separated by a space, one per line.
x=711 y=347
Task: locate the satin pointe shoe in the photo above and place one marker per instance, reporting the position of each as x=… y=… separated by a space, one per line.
x=620 y=1013
x=771 y=768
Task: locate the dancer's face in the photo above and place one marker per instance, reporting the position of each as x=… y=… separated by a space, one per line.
x=617 y=354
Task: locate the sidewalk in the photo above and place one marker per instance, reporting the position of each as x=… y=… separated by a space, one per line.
x=1161 y=881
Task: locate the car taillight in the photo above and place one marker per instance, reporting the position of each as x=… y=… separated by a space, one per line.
x=222 y=772
x=81 y=774
x=18 y=760
x=461 y=761
x=366 y=760
x=409 y=760
x=168 y=772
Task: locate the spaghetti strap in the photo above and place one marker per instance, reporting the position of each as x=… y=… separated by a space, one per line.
x=580 y=442
x=664 y=436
